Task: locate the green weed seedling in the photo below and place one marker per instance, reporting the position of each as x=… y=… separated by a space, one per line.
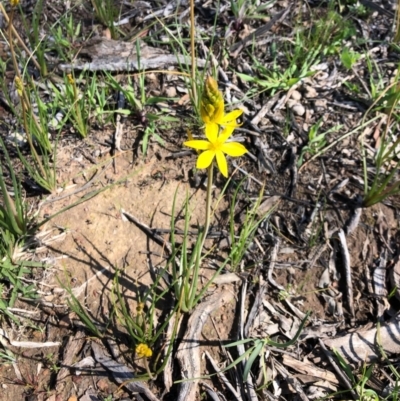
x=141 y=326
x=359 y=385
x=395 y=391
x=139 y=102
x=316 y=142
x=245 y=10
x=83 y=98
x=274 y=78
x=185 y=262
x=7 y=357
x=250 y=9
x=385 y=181
x=98 y=97
x=328 y=33
x=309 y=48
x=78 y=105
x=65 y=33
x=258 y=347
x=41 y=164
x=194 y=77
x=13 y=213
x=349 y=58
x=242 y=240
x=106 y=13
x=34 y=32
x=83 y=315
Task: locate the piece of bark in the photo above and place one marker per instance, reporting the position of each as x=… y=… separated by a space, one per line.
x=102 y=54
x=72 y=348
x=309 y=369
x=362 y=346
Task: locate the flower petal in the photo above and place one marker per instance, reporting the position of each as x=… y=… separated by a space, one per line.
x=226 y=133
x=212 y=132
x=198 y=144
x=234 y=149
x=205 y=159
x=222 y=164
x=232 y=116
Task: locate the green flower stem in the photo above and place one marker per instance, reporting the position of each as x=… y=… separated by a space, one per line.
x=207 y=222
x=204 y=233
x=146 y=365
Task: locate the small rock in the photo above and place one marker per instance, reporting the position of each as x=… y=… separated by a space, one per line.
x=310 y=92
x=320 y=103
x=296 y=95
x=103 y=386
x=151 y=78
x=19 y=139
x=56 y=121
x=298 y=109
x=78 y=180
x=170 y=91
x=322 y=77
x=320 y=67
x=96 y=153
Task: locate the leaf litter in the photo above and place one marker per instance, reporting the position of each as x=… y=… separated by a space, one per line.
x=318 y=250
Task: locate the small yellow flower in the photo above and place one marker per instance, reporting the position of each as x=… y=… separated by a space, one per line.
x=217 y=147
x=212 y=107
x=14 y=3
x=143 y=351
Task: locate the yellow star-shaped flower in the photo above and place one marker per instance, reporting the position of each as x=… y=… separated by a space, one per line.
x=216 y=146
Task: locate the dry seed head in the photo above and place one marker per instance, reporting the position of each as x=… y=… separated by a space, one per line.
x=19 y=85
x=140 y=307
x=70 y=79
x=143 y=351
x=212 y=101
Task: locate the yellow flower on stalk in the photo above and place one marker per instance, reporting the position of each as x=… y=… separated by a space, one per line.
x=143 y=351
x=212 y=107
x=14 y=3
x=216 y=146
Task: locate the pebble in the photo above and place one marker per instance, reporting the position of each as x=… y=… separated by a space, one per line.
x=320 y=103
x=296 y=95
x=170 y=91
x=79 y=180
x=297 y=108
x=322 y=77
x=19 y=139
x=310 y=92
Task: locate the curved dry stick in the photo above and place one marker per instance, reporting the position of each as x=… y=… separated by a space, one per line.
x=188 y=354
